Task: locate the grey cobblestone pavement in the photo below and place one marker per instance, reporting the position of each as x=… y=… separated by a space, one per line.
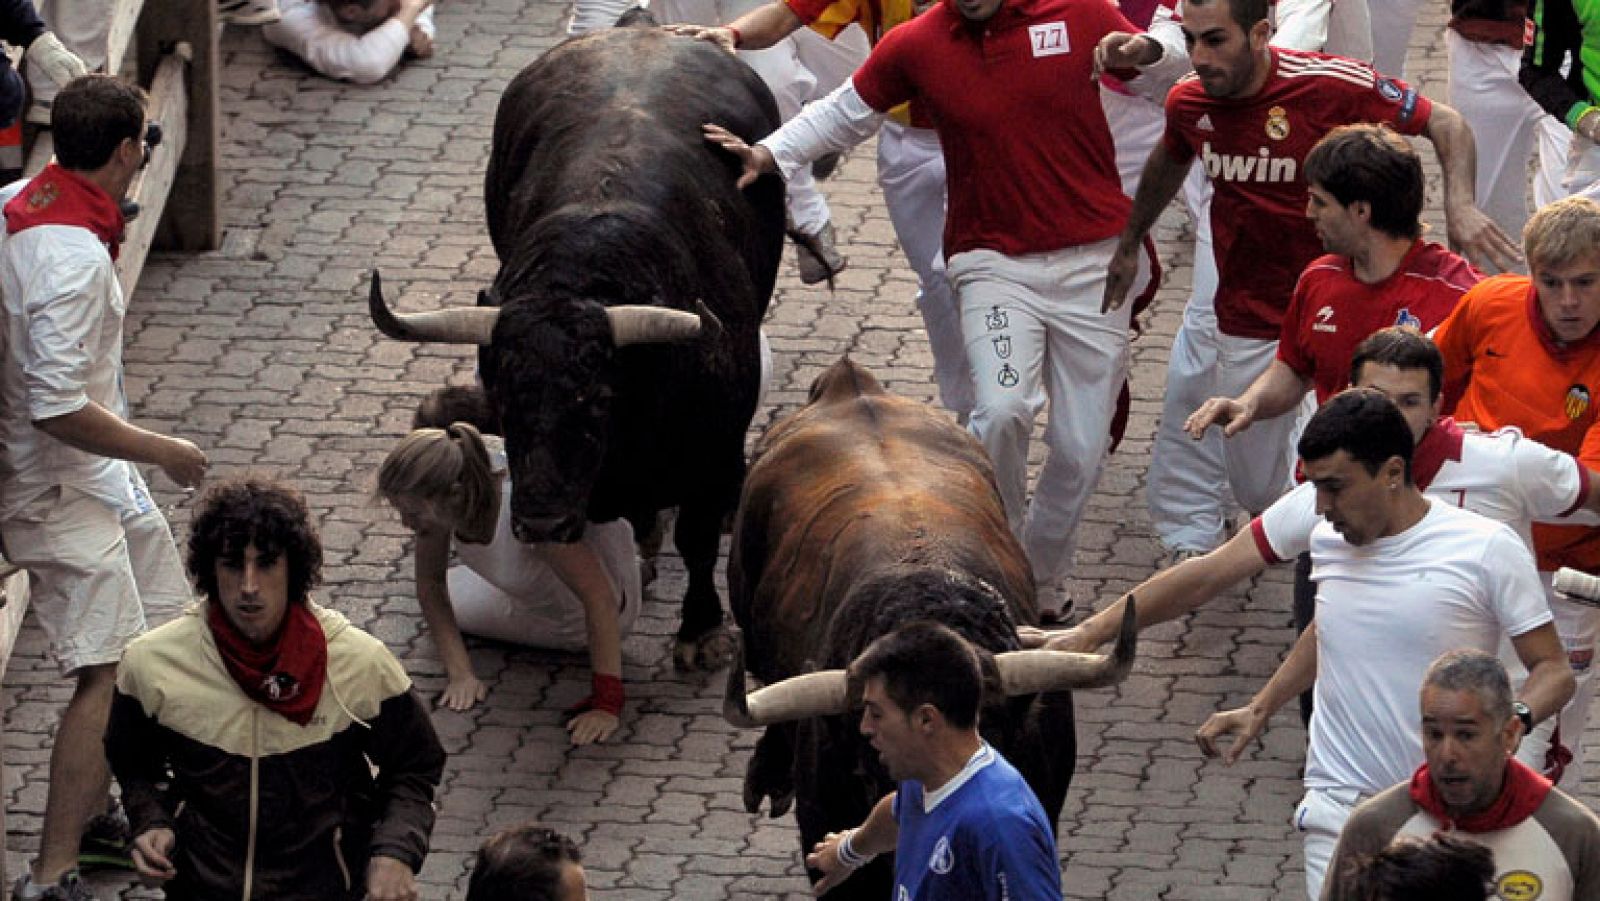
x=263 y=354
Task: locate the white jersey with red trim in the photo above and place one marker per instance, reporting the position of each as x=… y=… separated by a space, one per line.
x=1502 y=475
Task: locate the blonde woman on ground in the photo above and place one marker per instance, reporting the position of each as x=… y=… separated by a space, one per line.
x=450 y=486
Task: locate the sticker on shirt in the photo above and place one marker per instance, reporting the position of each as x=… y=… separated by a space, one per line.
x=1518 y=885
x=1577 y=401
x=942 y=859
x=1049 y=39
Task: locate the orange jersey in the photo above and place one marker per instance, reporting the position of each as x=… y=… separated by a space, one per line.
x=876 y=17
x=1503 y=367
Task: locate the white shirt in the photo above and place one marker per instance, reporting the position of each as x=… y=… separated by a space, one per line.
x=309 y=30
x=63 y=310
x=1385 y=611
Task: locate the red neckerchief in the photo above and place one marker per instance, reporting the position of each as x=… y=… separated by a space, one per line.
x=1547 y=337
x=1442 y=441
x=285 y=677
x=1520 y=795
x=60 y=196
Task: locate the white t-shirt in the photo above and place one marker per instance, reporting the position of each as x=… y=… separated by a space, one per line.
x=1502 y=475
x=63 y=309
x=506 y=591
x=1385 y=611
x=309 y=30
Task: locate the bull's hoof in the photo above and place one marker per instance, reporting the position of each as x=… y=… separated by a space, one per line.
x=708 y=653
x=781 y=801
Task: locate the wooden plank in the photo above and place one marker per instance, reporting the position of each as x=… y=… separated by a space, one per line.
x=151 y=189
x=124 y=19
x=193 y=218
x=14 y=586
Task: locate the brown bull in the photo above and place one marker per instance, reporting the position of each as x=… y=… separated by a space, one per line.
x=861 y=512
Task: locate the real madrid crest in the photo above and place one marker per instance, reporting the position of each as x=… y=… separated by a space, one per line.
x=1277 y=123
x=1577 y=401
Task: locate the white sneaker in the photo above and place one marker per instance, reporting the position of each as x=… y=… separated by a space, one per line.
x=1055 y=604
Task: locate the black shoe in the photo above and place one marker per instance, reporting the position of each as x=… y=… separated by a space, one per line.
x=822 y=168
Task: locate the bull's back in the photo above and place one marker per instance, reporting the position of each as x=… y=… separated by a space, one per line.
x=843 y=490
x=618 y=112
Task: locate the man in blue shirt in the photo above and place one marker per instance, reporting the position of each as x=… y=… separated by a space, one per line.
x=964 y=824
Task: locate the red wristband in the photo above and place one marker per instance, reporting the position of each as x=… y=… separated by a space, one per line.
x=605 y=693
x=738 y=39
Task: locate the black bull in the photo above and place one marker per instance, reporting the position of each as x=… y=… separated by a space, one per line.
x=861 y=512
x=612 y=219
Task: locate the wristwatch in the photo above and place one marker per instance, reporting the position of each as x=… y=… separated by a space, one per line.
x=1525 y=714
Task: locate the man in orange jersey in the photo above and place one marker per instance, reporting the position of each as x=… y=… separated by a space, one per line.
x=1523 y=351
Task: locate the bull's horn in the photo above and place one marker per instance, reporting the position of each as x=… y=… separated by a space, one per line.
x=456 y=325
x=1028 y=672
x=802 y=697
x=651 y=325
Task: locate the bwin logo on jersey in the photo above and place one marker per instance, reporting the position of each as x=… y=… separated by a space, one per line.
x=942 y=860
x=1263 y=167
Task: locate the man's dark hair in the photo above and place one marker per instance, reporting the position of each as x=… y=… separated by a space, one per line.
x=522 y=863
x=1375 y=165
x=1441 y=868
x=91 y=116
x=1363 y=423
x=456 y=403
x=238 y=513
x=1244 y=13
x=1402 y=347
x=925 y=663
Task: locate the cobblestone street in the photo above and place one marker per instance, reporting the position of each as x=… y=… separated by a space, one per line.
x=263 y=354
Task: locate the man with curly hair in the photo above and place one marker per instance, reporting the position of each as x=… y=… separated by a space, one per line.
x=266 y=709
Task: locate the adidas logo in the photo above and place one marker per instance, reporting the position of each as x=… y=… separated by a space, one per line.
x=1204 y=123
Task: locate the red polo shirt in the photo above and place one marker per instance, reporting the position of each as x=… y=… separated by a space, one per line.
x=1028 y=156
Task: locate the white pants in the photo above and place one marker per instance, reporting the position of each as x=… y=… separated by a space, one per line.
x=1582 y=171
x=1344 y=29
x=1184 y=489
x=1034 y=330
x=1579 y=627
x=543 y=612
x=1505 y=121
x=1392 y=24
x=1555 y=149
x=592 y=15
x=82 y=27
x=1319 y=818
x=787 y=69
x=911 y=173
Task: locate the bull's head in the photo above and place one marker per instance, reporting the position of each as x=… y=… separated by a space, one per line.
x=827 y=692
x=548 y=373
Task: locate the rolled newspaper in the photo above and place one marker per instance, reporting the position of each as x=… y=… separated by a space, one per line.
x=1578 y=586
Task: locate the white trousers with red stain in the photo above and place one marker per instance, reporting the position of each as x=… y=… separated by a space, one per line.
x=1034 y=332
